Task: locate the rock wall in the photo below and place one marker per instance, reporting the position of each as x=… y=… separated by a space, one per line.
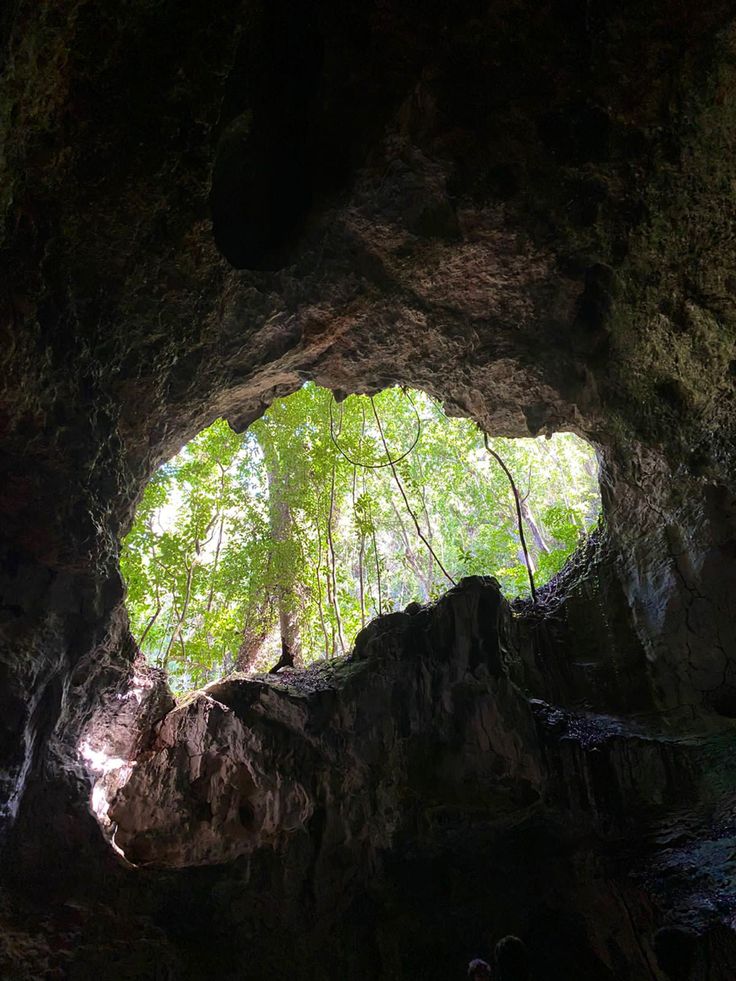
x=525 y=210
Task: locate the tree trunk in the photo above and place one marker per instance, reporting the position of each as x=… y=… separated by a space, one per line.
x=534 y=527
x=413 y=559
x=280 y=520
x=331 y=545
x=213 y=574
x=400 y=486
x=249 y=649
x=361 y=549
x=176 y=635
x=151 y=622
x=318 y=574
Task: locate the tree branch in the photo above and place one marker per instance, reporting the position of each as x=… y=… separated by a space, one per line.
x=519 y=519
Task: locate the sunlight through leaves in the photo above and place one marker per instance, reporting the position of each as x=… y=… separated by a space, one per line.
x=282 y=542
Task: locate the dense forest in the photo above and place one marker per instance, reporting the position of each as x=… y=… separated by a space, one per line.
x=291 y=536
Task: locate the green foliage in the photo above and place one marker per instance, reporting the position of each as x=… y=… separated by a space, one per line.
x=243 y=539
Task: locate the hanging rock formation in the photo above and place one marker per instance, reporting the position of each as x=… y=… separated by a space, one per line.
x=525 y=210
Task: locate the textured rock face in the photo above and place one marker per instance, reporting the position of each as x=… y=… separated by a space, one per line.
x=526 y=211
x=420 y=694
x=206 y=793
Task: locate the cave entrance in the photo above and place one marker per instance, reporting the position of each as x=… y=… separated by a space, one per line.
x=277 y=545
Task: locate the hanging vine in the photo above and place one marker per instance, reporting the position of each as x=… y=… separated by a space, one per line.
x=388 y=462
x=406 y=499
x=519 y=518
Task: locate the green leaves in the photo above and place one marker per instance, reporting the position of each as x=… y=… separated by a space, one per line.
x=240 y=533
x=364 y=508
x=562 y=522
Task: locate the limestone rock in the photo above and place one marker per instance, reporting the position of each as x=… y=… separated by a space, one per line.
x=204 y=792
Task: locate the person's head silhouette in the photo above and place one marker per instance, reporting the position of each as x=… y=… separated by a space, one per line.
x=512 y=961
x=675 y=950
x=479 y=970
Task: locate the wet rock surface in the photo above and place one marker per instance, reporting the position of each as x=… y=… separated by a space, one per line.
x=525 y=210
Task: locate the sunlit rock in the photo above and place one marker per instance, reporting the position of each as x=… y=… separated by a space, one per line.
x=205 y=792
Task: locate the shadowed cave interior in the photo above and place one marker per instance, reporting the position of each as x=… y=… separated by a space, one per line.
x=526 y=212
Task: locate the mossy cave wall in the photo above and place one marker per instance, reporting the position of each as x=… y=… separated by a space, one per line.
x=525 y=209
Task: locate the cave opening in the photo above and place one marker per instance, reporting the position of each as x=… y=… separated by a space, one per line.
x=276 y=546
x=521 y=210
